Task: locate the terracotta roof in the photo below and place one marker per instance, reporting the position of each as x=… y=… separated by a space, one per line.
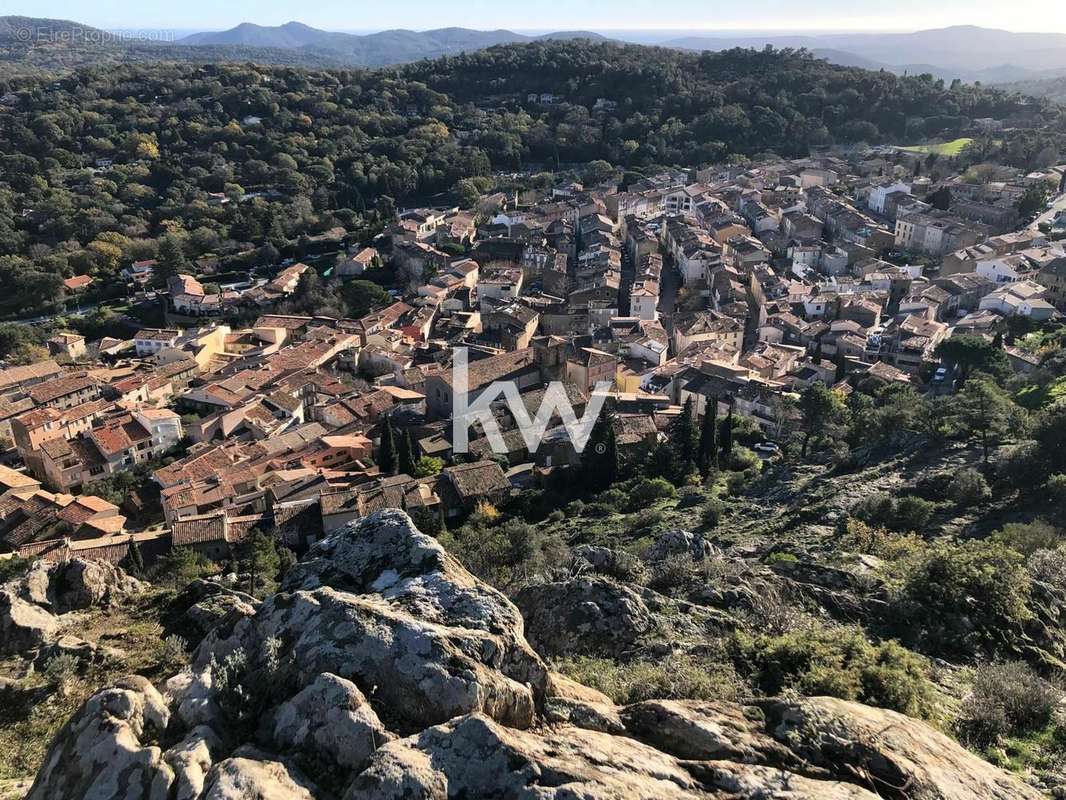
x=481 y=477
x=78 y=282
x=40 y=370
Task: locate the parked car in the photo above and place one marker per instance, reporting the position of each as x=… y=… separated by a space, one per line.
x=767 y=451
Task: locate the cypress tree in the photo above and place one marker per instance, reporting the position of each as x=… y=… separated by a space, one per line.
x=682 y=437
x=405 y=453
x=599 y=459
x=727 y=435
x=708 y=453
x=387 y=448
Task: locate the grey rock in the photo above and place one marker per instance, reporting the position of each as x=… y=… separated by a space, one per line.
x=24 y=626
x=191 y=759
x=680 y=543
x=892 y=749
x=385 y=606
x=250 y=775
x=473 y=756
x=80 y=584
x=584 y=615
x=331 y=720
x=99 y=753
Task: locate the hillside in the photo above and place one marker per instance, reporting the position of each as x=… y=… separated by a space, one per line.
x=383 y=669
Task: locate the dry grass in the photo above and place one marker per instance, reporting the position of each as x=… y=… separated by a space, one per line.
x=32 y=712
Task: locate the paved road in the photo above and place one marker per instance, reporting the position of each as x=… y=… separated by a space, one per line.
x=1049 y=216
x=669 y=283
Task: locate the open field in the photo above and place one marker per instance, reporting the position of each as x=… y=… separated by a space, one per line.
x=949 y=149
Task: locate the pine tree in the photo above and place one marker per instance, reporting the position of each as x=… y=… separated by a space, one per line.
x=171 y=259
x=708 y=453
x=387 y=448
x=258 y=557
x=405 y=453
x=727 y=435
x=841 y=370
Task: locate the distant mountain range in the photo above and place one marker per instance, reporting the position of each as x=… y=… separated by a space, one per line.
x=962 y=51
x=374 y=49
x=966 y=52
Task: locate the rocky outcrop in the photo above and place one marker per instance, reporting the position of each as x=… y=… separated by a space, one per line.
x=330 y=718
x=897 y=756
x=23 y=625
x=672 y=544
x=706 y=731
x=383 y=669
x=252 y=775
x=29 y=606
x=79 y=584
x=474 y=757
x=204 y=605
x=585 y=615
x=597 y=615
x=99 y=753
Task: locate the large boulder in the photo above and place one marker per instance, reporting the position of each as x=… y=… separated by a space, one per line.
x=23 y=625
x=672 y=544
x=901 y=756
x=597 y=615
x=80 y=584
x=99 y=753
x=474 y=757
x=204 y=605
x=251 y=775
x=706 y=731
x=589 y=614
x=385 y=607
x=329 y=720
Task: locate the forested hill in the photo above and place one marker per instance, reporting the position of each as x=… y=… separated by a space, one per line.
x=97 y=166
x=686 y=106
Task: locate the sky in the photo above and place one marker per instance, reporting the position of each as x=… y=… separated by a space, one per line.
x=684 y=15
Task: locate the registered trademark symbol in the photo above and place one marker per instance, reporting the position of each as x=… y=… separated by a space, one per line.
x=601 y=448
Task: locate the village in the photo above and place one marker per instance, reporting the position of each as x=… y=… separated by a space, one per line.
x=736 y=285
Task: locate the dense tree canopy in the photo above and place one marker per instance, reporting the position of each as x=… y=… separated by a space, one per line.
x=99 y=168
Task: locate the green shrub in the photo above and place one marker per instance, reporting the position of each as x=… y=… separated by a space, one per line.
x=958 y=598
x=647 y=491
x=506 y=555
x=643 y=521
x=1006 y=700
x=1028 y=537
x=556 y=516
x=968 y=488
x=839 y=662
x=742 y=459
x=711 y=513
x=913 y=513
x=14 y=567
x=859 y=537
x=677 y=676
x=908 y=513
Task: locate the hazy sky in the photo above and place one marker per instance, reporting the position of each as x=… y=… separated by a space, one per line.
x=1018 y=15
